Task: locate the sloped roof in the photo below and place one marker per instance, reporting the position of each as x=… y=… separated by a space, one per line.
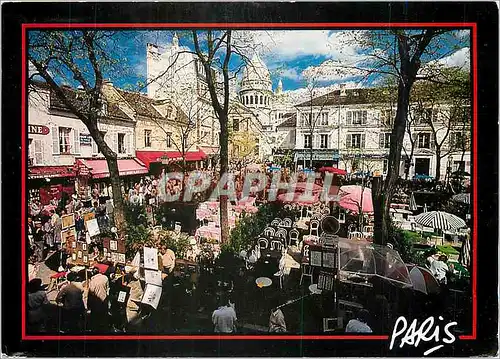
x=142 y=104
x=351 y=97
x=290 y=120
x=73 y=95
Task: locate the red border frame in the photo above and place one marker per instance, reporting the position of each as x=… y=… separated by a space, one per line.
x=25 y=27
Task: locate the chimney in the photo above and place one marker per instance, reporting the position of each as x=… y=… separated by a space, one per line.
x=343 y=91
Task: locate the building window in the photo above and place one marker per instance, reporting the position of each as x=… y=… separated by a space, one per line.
x=355 y=140
x=385 y=140
x=251 y=100
x=121 y=143
x=323 y=141
x=424 y=140
x=236 y=124
x=356 y=117
x=35 y=150
x=169 y=139
x=261 y=99
x=324 y=119
x=256 y=99
x=307 y=141
x=64 y=140
x=386 y=166
x=386 y=118
x=305 y=119
x=147 y=138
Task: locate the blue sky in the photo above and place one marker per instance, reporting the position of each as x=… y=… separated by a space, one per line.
x=287 y=53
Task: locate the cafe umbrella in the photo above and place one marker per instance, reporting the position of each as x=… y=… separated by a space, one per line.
x=423 y=280
x=440 y=220
x=359 y=260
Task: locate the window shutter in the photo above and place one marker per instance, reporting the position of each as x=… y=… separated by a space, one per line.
x=363 y=140
x=349 y=117
x=364 y=117
x=348 y=140
x=38 y=152
x=55 y=140
x=381 y=137
x=76 y=148
x=127 y=143
x=94 y=147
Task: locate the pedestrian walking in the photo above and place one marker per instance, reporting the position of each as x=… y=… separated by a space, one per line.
x=73 y=308
x=97 y=301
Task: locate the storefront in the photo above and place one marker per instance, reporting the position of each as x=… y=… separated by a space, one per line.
x=94 y=172
x=48 y=182
x=320 y=158
x=171 y=161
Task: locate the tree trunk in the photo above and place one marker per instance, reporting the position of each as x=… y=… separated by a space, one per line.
x=382 y=197
x=438 y=163
x=224 y=164
x=114 y=175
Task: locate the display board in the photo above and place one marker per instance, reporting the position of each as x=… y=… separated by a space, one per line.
x=114 y=250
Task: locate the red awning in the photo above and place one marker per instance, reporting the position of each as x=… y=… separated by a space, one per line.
x=126 y=167
x=209 y=150
x=50 y=171
x=172 y=156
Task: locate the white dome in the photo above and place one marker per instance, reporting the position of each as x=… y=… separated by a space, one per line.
x=256 y=76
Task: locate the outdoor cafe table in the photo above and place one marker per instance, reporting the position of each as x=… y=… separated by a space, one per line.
x=211 y=232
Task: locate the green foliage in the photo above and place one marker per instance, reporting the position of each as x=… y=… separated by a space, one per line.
x=136 y=238
x=135 y=215
x=248 y=228
x=403 y=242
x=448 y=250
x=177 y=243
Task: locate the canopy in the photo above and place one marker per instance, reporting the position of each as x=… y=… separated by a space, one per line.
x=302 y=187
x=172 y=156
x=126 y=167
x=334 y=170
x=297 y=198
x=50 y=171
x=440 y=220
x=373 y=260
x=350 y=198
x=423 y=280
x=462 y=197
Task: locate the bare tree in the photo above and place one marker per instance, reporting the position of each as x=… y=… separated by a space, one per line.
x=401 y=54
x=81 y=57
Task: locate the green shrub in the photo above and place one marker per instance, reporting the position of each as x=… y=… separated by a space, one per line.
x=177 y=243
x=249 y=228
x=135 y=215
x=137 y=237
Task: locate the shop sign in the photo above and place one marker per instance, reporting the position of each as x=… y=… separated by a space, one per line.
x=38 y=130
x=85 y=139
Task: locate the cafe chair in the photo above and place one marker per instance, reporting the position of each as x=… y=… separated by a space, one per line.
x=286 y=222
x=276 y=245
x=281 y=233
x=276 y=222
x=307 y=271
x=314 y=227
x=257 y=251
x=287 y=207
x=294 y=237
x=325 y=211
x=269 y=232
x=281 y=272
x=263 y=243
x=356 y=235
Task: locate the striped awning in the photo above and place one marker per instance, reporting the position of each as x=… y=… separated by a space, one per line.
x=462 y=197
x=465 y=254
x=413 y=203
x=440 y=220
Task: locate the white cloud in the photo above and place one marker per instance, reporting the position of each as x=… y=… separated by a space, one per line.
x=283 y=45
x=290 y=73
x=460 y=58
x=302 y=94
